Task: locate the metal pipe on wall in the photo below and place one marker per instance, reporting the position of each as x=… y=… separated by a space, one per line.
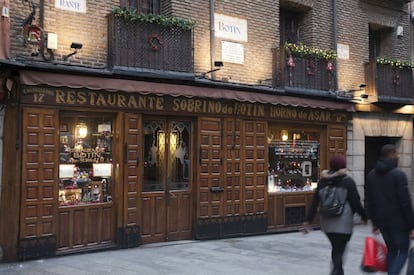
x=335 y=38
x=212 y=35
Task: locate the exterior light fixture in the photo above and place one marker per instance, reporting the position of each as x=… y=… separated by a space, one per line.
x=361 y=99
x=76 y=46
x=217 y=64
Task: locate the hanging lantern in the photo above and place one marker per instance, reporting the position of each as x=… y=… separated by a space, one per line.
x=81 y=130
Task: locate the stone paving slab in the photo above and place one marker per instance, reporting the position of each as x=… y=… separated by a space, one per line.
x=285 y=254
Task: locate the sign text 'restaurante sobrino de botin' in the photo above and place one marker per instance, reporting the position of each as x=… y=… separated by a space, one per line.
x=169 y=104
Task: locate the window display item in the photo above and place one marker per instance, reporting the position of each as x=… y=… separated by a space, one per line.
x=85 y=169
x=293 y=165
x=70 y=196
x=66 y=170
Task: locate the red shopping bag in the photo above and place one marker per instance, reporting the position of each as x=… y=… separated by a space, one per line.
x=375 y=255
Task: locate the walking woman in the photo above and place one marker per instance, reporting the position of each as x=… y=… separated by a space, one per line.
x=337 y=228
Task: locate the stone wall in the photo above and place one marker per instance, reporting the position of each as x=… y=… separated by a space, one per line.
x=379 y=125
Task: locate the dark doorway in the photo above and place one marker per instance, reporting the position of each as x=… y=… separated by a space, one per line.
x=372 y=151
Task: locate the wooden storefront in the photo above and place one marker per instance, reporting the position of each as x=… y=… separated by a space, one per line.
x=176 y=165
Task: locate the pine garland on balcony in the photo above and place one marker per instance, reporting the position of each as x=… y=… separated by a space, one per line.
x=133 y=16
x=396 y=63
x=304 y=51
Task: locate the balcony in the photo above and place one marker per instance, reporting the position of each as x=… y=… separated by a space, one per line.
x=391 y=84
x=133 y=44
x=310 y=73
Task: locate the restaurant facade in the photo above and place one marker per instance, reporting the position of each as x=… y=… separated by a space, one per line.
x=101 y=162
x=185 y=120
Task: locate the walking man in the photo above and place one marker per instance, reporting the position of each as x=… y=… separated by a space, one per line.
x=389 y=207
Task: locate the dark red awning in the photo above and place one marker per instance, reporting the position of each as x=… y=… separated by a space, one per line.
x=142 y=87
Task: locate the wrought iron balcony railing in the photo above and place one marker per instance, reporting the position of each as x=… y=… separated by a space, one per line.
x=389 y=83
x=301 y=72
x=149 y=46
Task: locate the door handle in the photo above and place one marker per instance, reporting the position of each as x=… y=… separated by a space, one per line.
x=172 y=194
x=200 y=158
x=125 y=152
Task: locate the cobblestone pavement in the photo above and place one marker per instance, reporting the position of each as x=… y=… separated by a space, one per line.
x=278 y=254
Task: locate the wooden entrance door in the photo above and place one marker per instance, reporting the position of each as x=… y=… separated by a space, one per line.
x=166 y=186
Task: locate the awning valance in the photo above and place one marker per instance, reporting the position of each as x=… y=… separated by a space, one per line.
x=33 y=78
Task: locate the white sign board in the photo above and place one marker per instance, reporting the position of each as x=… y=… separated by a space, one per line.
x=342 y=51
x=231 y=28
x=71 y=5
x=66 y=170
x=232 y=52
x=102 y=169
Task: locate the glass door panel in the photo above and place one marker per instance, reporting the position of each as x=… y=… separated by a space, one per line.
x=179 y=156
x=154 y=155
x=166 y=188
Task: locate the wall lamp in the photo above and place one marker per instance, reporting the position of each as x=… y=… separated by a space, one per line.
x=361 y=87
x=350 y=94
x=362 y=97
x=217 y=64
x=76 y=47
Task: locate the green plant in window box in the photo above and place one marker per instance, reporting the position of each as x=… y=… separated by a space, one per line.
x=395 y=63
x=133 y=16
x=301 y=50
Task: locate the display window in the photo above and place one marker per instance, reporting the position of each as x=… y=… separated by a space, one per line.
x=85 y=170
x=293 y=159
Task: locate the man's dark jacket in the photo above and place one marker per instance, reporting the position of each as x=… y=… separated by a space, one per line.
x=388 y=197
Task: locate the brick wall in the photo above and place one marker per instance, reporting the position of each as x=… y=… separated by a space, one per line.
x=263 y=28
x=316 y=29
x=354 y=17
x=88 y=28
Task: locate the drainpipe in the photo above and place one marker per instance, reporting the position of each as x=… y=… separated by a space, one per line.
x=212 y=39
x=335 y=38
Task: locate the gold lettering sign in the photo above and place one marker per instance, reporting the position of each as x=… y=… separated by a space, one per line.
x=305 y=114
x=153 y=103
x=86 y=155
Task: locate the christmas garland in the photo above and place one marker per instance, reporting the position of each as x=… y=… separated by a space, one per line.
x=304 y=51
x=396 y=63
x=133 y=16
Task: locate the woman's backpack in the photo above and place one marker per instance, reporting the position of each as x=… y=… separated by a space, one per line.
x=332 y=200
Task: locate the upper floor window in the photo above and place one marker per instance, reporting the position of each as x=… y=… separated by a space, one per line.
x=380 y=40
x=289 y=27
x=143 y=6
x=374 y=44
